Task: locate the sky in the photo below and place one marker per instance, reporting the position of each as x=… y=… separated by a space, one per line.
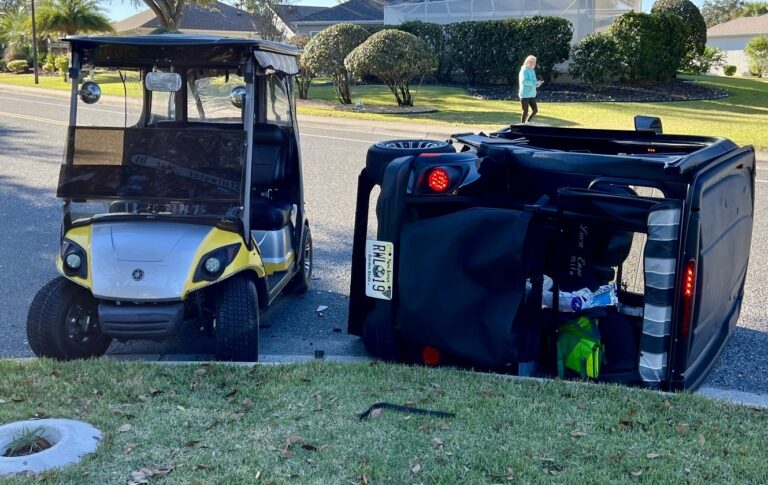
x=121 y=9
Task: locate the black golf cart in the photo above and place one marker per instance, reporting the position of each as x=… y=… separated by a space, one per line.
x=512 y=251
x=182 y=195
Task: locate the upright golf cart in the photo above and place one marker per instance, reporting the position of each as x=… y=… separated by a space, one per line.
x=182 y=195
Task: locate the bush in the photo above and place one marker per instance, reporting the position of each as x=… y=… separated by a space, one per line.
x=694 y=26
x=305 y=76
x=594 y=59
x=470 y=44
x=729 y=70
x=435 y=37
x=49 y=64
x=711 y=58
x=757 y=52
x=17 y=67
x=548 y=38
x=2 y=65
x=395 y=57
x=325 y=54
x=650 y=47
x=62 y=65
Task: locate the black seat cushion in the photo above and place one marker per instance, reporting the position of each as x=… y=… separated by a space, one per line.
x=269 y=214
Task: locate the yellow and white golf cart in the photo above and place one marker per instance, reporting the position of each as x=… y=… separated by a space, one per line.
x=182 y=195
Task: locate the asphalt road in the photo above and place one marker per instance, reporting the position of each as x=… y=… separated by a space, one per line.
x=32 y=130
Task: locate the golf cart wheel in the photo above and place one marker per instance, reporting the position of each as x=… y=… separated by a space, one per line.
x=300 y=282
x=237 y=320
x=381 y=153
x=63 y=322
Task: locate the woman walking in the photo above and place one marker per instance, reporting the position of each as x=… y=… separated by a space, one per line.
x=527 y=91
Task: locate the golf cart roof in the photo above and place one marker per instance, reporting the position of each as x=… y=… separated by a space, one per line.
x=184 y=51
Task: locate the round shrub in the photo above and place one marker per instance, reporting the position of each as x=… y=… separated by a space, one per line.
x=757 y=52
x=395 y=57
x=49 y=64
x=325 y=53
x=435 y=37
x=694 y=26
x=62 y=64
x=729 y=70
x=546 y=37
x=17 y=67
x=594 y=59
x=650 y=47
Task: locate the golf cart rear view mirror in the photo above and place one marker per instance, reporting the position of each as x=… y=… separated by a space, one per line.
x=168 y=82
x=648 y=123
x=89 y=92
x=237 y=96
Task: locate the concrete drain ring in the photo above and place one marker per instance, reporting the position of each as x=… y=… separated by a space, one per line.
x=69 y=440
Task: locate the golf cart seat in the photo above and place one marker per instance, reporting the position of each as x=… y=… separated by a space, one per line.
x=270 y=150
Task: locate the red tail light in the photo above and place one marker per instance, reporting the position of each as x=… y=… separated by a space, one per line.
x=431 y=356
x=689 y=291
x=438 y=180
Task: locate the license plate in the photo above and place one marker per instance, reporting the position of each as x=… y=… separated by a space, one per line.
x=378 y=269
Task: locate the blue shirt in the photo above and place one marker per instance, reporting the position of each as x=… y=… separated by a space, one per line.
x=527 y=83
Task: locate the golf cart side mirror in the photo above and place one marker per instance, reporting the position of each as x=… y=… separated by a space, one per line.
x=89 y=92
x=237 y=96
x=167 y=82
x=648 y=123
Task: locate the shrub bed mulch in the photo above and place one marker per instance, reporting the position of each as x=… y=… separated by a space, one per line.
x=677 y=90
x=366 y=108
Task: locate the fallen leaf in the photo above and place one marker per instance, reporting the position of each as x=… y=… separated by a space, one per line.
x=415 y=468
x=624 y=424
x=324 y=447
x=159 y=472
x=321 y=308
x=309 y=447
x=636 y=473
x=231 y=393
x=375 y=413
x=286 y=453
x=292 y=440
x=247 y=403
x=124 y=428
x=55 y=373
x=128 y=448
x=213 y=423
x=181 y=408
x=700 y=439
x=365 y=481
x=191 y=443
x=437 y=442
x=201 y=467
x=652 y=456
x=236 y=416
x=143 y=398
x=682 y=429
x=578 y=434
x=154 y=392
x=510 y=474
x=257 y=475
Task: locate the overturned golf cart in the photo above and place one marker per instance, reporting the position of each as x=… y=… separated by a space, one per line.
x=182 y=195
x=609 y=255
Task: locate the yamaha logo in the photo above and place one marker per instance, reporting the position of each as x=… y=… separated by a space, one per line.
x=137 y=274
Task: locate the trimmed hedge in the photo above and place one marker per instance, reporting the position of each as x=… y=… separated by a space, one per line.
x=729 y=70
x=435 y=37
x=18 y=66
x=694 y=27
x=595 y=59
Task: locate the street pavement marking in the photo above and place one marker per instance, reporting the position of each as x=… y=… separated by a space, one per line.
x=63 y=105
x=367 y=142
x=762 y=181
x=33 y=118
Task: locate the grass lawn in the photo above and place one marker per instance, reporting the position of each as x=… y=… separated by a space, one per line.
x=741 y=117
x=298 y=423
x=110 y=82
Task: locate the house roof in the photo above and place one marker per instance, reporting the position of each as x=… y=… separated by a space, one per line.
x=350 y=11
x=291 y=13
x=740 y=26
x=216 y=16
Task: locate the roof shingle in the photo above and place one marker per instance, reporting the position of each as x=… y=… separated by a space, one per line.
x=351 y=10
x=740 y=26
x=217 y=16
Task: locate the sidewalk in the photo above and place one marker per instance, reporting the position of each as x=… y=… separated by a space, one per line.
x=385 y=128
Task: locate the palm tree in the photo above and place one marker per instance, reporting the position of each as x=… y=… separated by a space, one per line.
x=71 y=17
x=15 y=35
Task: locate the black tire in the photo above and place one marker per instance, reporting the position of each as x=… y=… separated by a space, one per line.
x=63 y=322
x=237 y=320
x=380 y=154
x=300 y=282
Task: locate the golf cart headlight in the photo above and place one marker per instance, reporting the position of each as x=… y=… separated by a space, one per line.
x=73 y=261
x=212 y=265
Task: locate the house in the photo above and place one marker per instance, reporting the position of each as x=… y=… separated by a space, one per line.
x=215 y=19
x=734 y=35
x=360 y=12
x=287 y=15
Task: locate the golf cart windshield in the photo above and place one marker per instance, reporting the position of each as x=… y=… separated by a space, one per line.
x=151 y=151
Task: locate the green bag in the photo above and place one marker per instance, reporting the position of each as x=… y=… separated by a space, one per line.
x=579 y=348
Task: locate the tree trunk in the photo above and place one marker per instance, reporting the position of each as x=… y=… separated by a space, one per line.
x=393 y=87
x=405 y=94
x=304 y=82
x=341 y=83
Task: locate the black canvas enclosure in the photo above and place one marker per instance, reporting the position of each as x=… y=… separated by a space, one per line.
x=465 y=309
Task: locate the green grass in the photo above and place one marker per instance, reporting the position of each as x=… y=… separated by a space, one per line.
x=110 y=82
x=741 y=117
x=298 y=424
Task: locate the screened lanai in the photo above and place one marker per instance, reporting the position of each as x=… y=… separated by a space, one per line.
x=587 y=16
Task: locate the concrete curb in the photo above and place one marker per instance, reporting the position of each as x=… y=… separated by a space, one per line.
x=736 y=397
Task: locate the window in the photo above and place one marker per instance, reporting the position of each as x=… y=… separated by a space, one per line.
x=278 y=105
x=208 y=96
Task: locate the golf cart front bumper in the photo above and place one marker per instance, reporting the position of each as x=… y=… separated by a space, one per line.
x=129 y=321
